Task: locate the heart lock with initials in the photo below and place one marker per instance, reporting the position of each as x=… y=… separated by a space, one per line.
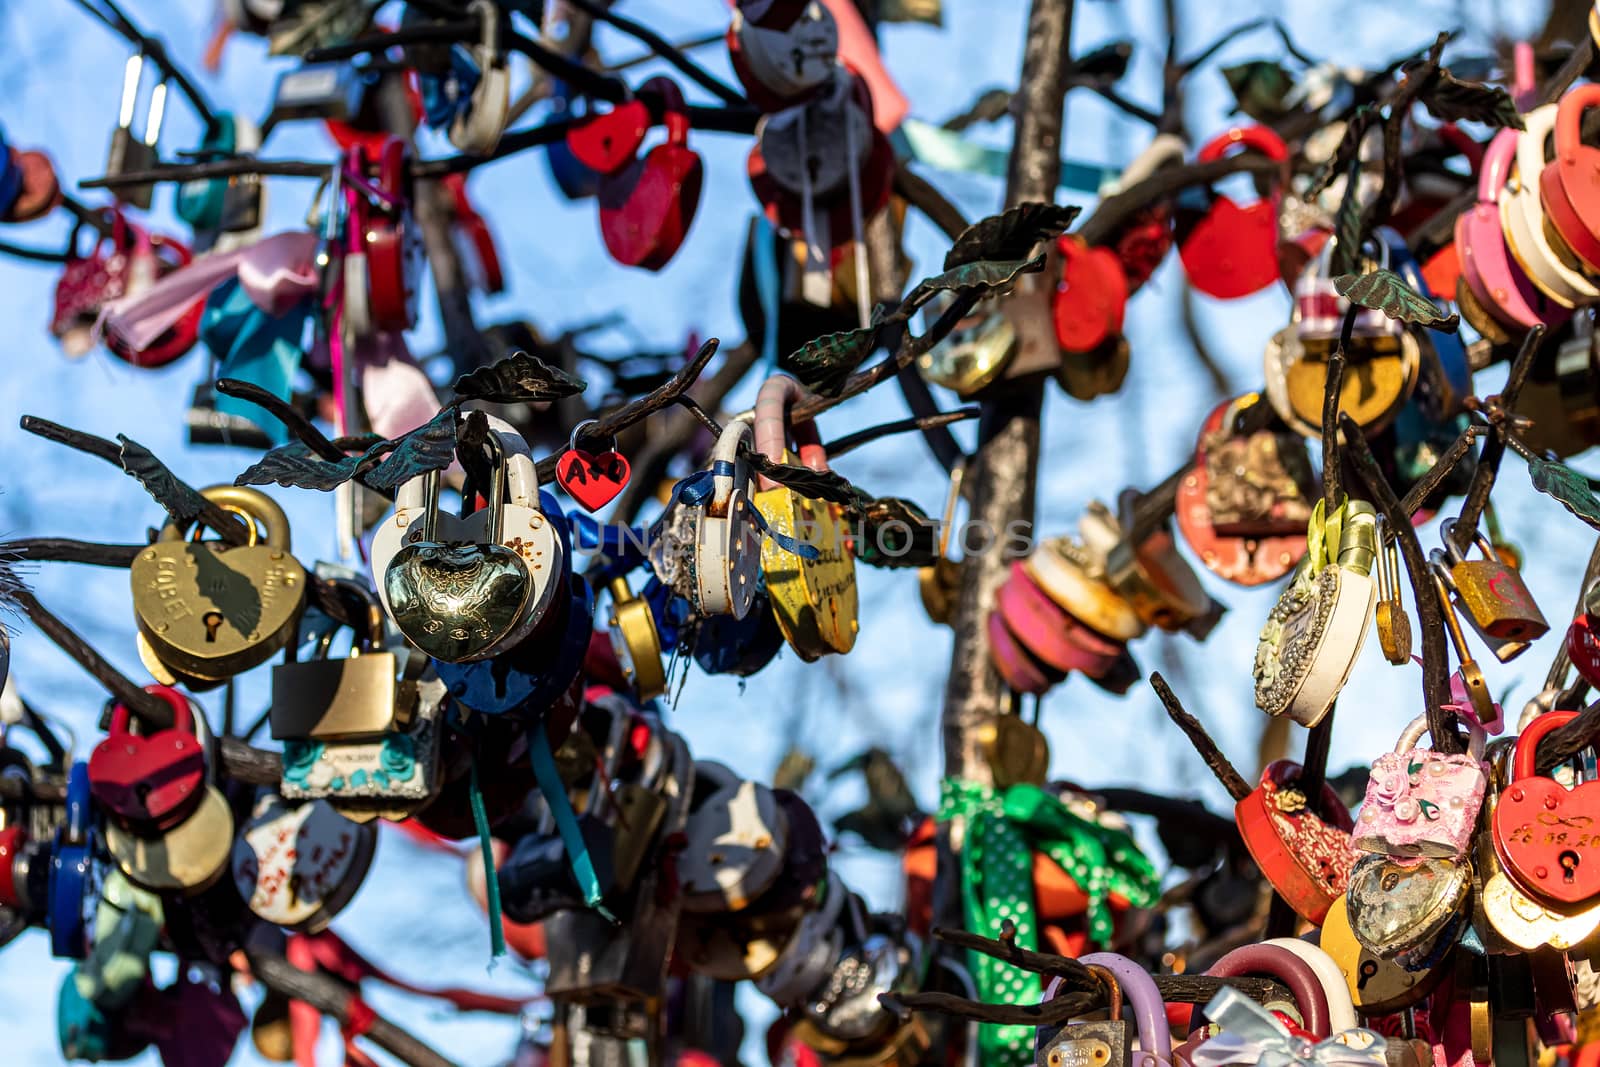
x=1496 y=600
x=1244 y=505
x=1314 y=634
x=1495 y=282
x=153 y=779
x=1546 y=835
x=1409 y=912
x=1567 y=188
x=1421 y=803
x=1091 y=298
x=125 y=260
x=478 y=125
x=1535 y=246
x=784 y=53
x=467 y=589
x=593 y=479
x=1305 y=854
x=648 y=204
x=390 y=239
x=298 y=864
x=211 y=610
x=814 y=600
x=1229 y=251
x=725 y=557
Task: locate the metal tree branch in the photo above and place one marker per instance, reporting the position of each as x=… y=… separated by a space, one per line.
x=66 y=550
x=851 y=442
x=1498 y=411
x=1218 y=763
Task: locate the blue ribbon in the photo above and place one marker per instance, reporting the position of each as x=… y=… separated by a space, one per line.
x=444 y=96
x=618 y=550
x=254 y=347
x=555 y=795
x=764 y=254
x=697 y=490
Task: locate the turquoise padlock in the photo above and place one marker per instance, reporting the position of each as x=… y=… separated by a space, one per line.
x=200 y=203
x=127 y=926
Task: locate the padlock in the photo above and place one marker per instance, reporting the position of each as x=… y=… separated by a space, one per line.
x=646 y=208
x=328 y=91
x=780 y=57
x=1422 y=803
x=1151 y=575
x=1408 y=911
x=1489 y=275
x=129 y=155
x=1091 y=298
x=1538 y=826
x=297 y=865
x=477 y=127
x=474 y=241
x=1474 y=686
x=348 y=699
x=40 y=192
x=604 y=142
x=127 y=928
x=1566 y=185
x=725 y=547
x=1493 y=594
x=574 y=178
x=231 y=204
x=737 y=835
x=1230 y=251
x=213 y=610
x=1075 y=580
x=1155 y=1036
x=593 y=479
x=1394 y=625
x=70 y=864
x=122 y=262
x=1341 y=1006
x=972 y=355
x=847 y=1009
x=1050 y=632
x=152 y=780
x=1090 y=1044
x=466 y=589
x=814 y=600
x=1310 y=1009
x=392 y=242
x=636 y=642
x=1303 y=851
x=1377 y=986
x=1532 y=243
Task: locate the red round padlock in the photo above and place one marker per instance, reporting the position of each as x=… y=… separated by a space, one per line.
x=1232 y=251
x=1569 y=191
x=1583 y=648
x=393 y=245
x=1543 y=832
x=646 y=208
x=154 y=780
x=41 y=191
x=1092 y=297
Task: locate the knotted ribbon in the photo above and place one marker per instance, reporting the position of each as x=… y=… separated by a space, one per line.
x=1251 y=1037
x=1003 y=830
x=697 y=490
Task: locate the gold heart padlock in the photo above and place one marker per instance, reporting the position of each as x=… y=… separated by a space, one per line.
x=211 y=610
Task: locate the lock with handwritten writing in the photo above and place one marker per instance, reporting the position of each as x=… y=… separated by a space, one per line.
x=1494 y=595
x=1420 y=802
x=298 y=864
x=1547 y=835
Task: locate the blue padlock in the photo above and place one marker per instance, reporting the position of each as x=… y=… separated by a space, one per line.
x=71 y=864
x=577 y=181
x=200 y=203
x=10 y=177
x=1440 y=397
x=741 y=647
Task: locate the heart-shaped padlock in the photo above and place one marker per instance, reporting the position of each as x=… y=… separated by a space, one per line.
x=1231 y=251
x=154 y=779
x=593 y=479
x=1091 y=298
x=298 y=865
x=646 y=207
x=1567 y=185
x=1544 y=834
x=784 y=53
x=607 y=141
x=1407 y=911
x=1583 y=649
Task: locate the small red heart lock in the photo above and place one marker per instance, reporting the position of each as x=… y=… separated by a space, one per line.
x=153 y=779
x=1143 y=243
x=593 y=479
x=646 y=208
x=1231 y=251
x=1091 y=297
x=1569 y=191
x=608 y=141
x=1548 y=837
x=1583 y=648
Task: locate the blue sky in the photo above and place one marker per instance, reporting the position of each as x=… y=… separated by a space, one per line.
x=413 y=915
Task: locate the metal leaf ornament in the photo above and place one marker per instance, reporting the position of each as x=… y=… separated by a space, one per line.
x=1571 y=489
x=520 y=378
x=1449 y=99
x=1011 y=234
x=1260 y=88
x=427 y=448
x=824 y=365
x=1386 y=291
x=296 y=466
x=979 y=274
x=175 y=496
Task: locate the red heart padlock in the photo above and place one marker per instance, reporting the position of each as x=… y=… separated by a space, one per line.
x=393 y=244
x=646 y=208
x=607 y=141
x=1305 y=854
x=1583 y=649
x=1143 y=242
x=152 y=780
x=1091 y=298
x=1548 y=837
x=1232 y=251
x=477 y=248
x=1570 y=191
x=593 y=479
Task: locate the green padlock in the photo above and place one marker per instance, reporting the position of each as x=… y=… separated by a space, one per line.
x=127 y=926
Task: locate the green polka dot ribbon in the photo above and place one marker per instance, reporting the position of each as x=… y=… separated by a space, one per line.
x=1003 y=830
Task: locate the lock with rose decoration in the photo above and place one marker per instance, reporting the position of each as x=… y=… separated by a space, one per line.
x=1422 y=803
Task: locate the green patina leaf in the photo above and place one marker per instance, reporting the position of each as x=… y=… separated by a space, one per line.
x=176 y=497
x=1571 y=489
x=295 y=466
x=427 y=448
x=1386 y=291
x=1449 y=99
x=520 y=378
x=1010 y=235
x=1260 y=87
x=992 y=274
x=823 y=365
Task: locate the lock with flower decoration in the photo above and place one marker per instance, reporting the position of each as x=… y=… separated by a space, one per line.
x=1422 y=803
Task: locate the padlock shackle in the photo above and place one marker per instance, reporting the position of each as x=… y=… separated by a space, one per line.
x=1569 y=120
x=1286 y=967
x=1496 y=166
x=726 y=454
x=1149 y=1011
x=1537 y=126
x=1524 y=764
x=254 y=505
x=79 y=798
x=774 y=429
x=1447 y=530
x=182 y=713
x=1341 y=1005
x=1477 y=737
x=1255 y=138
x=674 y=114
x=522 y=475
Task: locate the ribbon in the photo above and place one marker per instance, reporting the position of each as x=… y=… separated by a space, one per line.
x=254 y=347
x=1003 y=830
x=555 y=797
x=698 y=489
x=1251 y=1036
x=917 y=141
x=763 y=258
x=395 y=391
x=446 y=96
x=491 y=884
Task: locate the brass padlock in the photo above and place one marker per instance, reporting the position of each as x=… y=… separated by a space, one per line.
x=1472 y=679
x=213 y=610
x=636 y=641
x=1493 y=594
x=348 y=699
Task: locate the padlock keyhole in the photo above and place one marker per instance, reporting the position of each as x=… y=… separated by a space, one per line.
x=1569 y=865
x=213 y=621
x=1369 y=971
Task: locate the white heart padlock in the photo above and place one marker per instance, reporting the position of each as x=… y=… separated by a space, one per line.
x=1522 y=218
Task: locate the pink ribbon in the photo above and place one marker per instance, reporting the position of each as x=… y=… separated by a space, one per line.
x=397 y=394
x=276 y=273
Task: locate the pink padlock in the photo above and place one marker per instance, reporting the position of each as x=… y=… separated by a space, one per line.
x=1422 y=803
x=1486 y=264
